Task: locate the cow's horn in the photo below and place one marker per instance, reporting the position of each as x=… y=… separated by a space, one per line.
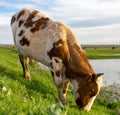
x=98 y=75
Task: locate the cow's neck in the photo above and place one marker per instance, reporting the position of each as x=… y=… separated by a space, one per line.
x=79 y=64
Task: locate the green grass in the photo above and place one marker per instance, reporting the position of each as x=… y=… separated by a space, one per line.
x=19 y=96
x=103 y=53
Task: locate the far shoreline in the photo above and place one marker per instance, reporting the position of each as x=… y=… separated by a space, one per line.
x=92 y=51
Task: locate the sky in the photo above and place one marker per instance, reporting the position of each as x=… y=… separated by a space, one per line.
x=93 y=21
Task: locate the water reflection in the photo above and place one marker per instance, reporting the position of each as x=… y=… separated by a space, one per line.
x=110 y=68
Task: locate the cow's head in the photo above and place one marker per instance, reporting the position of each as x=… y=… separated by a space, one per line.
x=86 y=90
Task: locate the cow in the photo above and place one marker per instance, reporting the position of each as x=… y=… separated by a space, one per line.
x=40 y=37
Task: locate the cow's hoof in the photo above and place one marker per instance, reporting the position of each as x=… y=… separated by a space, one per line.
x=65 y=103
x=27 y=76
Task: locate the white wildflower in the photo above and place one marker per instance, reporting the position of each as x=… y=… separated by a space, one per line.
x=4 y=89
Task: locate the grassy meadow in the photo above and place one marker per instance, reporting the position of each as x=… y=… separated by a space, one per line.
x=19 y=96
x=102 y=51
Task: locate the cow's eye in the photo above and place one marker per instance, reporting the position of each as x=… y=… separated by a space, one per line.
x=92 y=92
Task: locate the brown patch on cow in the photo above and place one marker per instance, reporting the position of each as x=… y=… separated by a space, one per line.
x=52 y=73
x=51 y=65
x=13 y=20
x=56 y=44
x=60 y=50
x=24 y=41
x=43 y=22
x=57 y=73
x=56 y=61
x=29 y=22
x=21 y=22
x=32 y=30
x=64 y=91
x=39 y=24
x=21 y=33
x=20 y=14
x=35 y=12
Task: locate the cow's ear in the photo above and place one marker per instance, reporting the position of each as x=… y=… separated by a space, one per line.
x=94 y=77
x=97 y=75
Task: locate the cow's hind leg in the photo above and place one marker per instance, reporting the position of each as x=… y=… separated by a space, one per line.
x=24 y=61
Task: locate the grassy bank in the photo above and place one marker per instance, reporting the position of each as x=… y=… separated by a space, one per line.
x=102 y=52
x=19 y=96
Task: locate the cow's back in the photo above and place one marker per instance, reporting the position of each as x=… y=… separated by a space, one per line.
x=35 y=34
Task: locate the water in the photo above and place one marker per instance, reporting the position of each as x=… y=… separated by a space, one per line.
x=110 y=68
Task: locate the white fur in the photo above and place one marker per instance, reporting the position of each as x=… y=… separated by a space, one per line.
x=89 y=105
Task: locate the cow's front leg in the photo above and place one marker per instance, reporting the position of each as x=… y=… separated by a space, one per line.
x=57 y=70
x=60 y=93
x=24 y=61
x=65 y=88
x=59 y=85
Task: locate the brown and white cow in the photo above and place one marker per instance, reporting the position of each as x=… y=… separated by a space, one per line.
x=52 y=43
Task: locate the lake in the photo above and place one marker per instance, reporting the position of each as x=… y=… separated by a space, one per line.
x=110 y=68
